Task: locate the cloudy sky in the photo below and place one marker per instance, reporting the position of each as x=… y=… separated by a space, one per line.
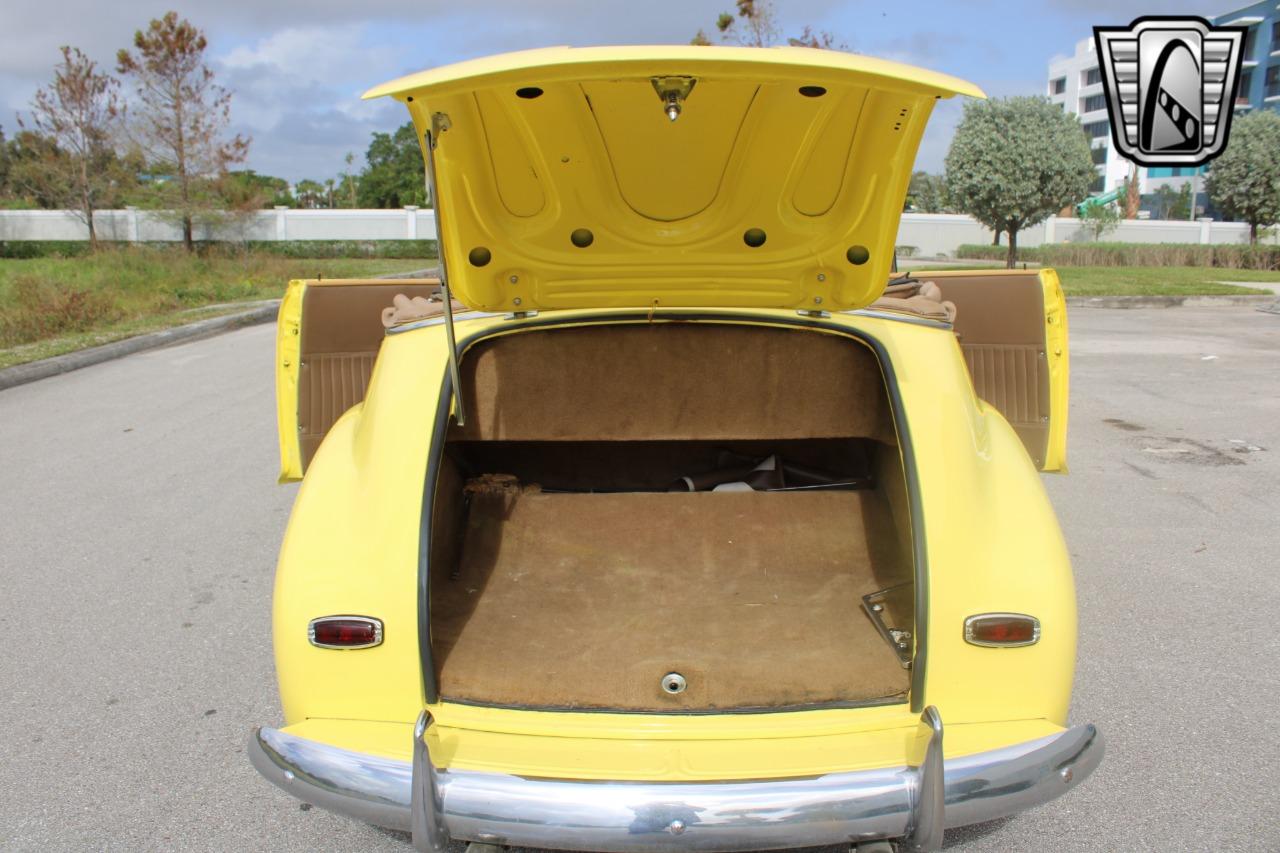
x=297 y=67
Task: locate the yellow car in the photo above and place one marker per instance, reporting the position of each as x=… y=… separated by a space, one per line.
x=675 y=531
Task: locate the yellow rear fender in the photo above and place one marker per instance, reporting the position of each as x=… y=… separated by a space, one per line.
x=990 y=538
x=351 y=547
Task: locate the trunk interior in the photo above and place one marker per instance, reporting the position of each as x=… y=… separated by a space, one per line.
x=630 y=501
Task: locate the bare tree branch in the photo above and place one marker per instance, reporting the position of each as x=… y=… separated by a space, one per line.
x=182 y=115
x=74 y=165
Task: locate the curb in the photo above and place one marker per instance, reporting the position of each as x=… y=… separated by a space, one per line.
x=21 y=374
x=1167 y=301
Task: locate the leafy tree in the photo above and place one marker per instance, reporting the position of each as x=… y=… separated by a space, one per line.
x=395 y=175
x=927 y=193
x=1244 y=182
x=1171 y=204
x=28 y=187
x=30 y=154
x=1015 y=161
x=755 y=24
x=349 y=180
x=182 y=116
x=6 y=166
x=1101 y=219
x=809 y=37
x=35 y=158
x=246 y=188
x=77 y=114
x=309 y=193
x=1182 y=205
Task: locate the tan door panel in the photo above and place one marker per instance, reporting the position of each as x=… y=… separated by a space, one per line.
x=339 y=328
x=1004 y=322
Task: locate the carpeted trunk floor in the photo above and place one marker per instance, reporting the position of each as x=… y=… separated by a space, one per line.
x=588 y=600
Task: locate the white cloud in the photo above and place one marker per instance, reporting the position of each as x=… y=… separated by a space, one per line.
x=316 y=55
x=297 y=67
x=297 y=93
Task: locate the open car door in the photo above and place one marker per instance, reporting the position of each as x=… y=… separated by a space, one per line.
x=327 y=338
x=1012 y=327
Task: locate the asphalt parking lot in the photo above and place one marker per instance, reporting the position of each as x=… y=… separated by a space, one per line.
x=139 y=522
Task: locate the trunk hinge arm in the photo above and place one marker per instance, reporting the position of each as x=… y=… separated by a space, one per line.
x=439 y=124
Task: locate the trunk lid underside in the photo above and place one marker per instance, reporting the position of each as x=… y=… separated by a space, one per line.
x=566 y=183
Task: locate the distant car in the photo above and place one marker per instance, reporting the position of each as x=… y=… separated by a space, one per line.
x=675 y=532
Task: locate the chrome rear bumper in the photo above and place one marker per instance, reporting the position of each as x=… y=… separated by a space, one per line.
x=913 y=803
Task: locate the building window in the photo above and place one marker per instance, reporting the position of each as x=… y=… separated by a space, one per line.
x=1091 y=77
x=1246 y=83
x=1250 y=40
x=1098 y=183
x=1271 y=87
x=1099 y=155
x=1057 y=87
x=1275 y=36
x=1093 y=103
x=1097 y=129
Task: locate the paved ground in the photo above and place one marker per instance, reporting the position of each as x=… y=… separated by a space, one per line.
x=139 y=523
x=1274 y=287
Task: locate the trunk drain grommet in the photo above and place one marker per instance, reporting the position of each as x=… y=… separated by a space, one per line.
x=673 y=683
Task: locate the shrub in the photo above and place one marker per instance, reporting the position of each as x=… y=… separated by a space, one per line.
x=1230 y=256
x=42 y=309
x=26 y=249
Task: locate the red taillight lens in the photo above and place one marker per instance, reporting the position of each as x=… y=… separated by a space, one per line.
x=345 y=632
x=1001 y=629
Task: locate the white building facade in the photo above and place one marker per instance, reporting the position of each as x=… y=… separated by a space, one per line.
x=1075 y=84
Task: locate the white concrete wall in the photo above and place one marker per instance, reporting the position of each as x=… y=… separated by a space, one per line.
x=932 y=234
x=133 y=225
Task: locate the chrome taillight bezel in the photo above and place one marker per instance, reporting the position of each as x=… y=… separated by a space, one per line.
x=971 y=638
x=376 y=624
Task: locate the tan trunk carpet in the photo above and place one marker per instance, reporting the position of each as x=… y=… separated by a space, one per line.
x=588 y=600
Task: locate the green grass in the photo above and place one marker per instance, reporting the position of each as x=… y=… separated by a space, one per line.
x=1151 y=281
x=1160 y=281
x=53 y=305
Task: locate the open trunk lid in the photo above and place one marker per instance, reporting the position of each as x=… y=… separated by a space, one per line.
x=671 y=176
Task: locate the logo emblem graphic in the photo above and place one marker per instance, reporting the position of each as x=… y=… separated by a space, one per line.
x=1171 y=87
